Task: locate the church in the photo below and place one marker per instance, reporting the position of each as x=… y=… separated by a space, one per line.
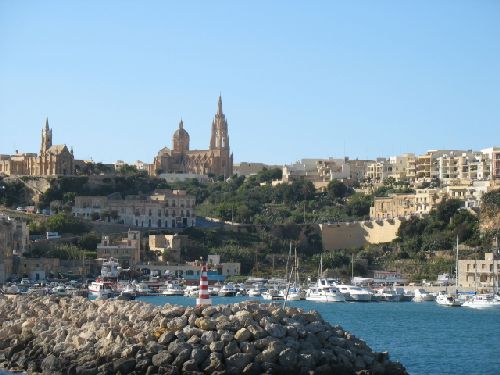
x=217 y=160
x=53 y=160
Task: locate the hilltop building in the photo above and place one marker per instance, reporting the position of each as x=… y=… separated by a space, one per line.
x=53 y=160
x=217 y=160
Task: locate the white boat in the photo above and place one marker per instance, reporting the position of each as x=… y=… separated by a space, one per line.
x=255 y=292
x=295 y=294
x=59 y=290
x=324 y=292
x=192 y=291
x=173 y=290
x=100 y=289
x=482 y=301
x=355 y=293
x=11 y=289
x=421 y=296
x=273 y=295
x=228 y=290
x=143 y=289
x=446 y=299
x=388 y=295
x=110 y=269
x=404 y=295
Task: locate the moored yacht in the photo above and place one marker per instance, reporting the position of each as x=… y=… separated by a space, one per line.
x=273 y=295
x=482 y=301
x=421 y=295
x=173 y=289
x=324 y=292
x=228 y=290
x=446 y=299
x=388 y=295
x=355 y=293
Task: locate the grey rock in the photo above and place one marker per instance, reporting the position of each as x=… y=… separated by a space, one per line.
x=217 y=346
x=242 y=334
x=166 y=338
x=251 y=369
x=182 y=357
x=199 y=355
x=163 y=358
x=168 y=370
x=189 y=365
x=124 y=365
x=230 y=349
x=51 y=364
x=208 y=337
x=275 y=330
x=288 y=358
x=239 y=361
x=177 y=346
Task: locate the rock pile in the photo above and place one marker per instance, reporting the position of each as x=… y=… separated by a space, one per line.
x=75 y=336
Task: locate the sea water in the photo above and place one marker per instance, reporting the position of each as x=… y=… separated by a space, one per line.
x=425 y=337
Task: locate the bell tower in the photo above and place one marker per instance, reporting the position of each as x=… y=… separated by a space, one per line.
x=46 y=138
x=220 y=138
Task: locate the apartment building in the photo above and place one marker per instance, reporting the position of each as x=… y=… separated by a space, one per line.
x=127 y=250
x=162 y=209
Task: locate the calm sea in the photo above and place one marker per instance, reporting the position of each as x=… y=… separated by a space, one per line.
x=425 y=337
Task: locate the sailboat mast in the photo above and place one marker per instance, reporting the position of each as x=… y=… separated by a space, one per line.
x=352 y=267
x=456 y=268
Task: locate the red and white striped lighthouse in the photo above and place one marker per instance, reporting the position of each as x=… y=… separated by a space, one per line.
x=204 y=297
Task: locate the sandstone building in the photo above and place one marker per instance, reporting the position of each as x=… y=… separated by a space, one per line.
x=126 y=250
x=53 y=160
x=162 y=209
x=217 y=160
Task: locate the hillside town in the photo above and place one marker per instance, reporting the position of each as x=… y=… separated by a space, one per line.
x=62 y=216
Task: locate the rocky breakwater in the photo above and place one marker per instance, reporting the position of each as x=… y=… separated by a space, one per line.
x=75 y=336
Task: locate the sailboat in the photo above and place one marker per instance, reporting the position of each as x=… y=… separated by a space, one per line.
x=294 y=292
x=323 y=291
x=488 y=300
x=447 y=299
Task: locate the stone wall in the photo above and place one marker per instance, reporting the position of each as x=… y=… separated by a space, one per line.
x=358 y=234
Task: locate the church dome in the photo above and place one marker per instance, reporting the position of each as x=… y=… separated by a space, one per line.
x=180 y=139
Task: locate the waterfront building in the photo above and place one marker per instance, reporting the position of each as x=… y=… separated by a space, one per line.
x=217 y=160
x=14 y=240
x=190 y=271
x=479 y=273
x=162 y=209
x=127 y=251
x=53 y=160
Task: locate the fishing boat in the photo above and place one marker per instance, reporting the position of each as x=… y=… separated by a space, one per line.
x=100 y=289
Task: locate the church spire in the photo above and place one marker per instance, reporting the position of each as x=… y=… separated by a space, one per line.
x=46 y=123
x=181 y=124
x=219 y=111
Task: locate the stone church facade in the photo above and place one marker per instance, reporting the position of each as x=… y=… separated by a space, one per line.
x=53 y=160
x=217 y=160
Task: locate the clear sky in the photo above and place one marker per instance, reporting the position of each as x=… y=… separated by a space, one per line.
x=298 y=79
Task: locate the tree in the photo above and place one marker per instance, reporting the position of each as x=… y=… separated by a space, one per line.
x=337 y=190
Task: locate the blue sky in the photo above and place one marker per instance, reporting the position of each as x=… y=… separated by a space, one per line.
x=298 y=78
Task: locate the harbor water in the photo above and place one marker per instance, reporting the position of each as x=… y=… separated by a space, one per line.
x=425 y=337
